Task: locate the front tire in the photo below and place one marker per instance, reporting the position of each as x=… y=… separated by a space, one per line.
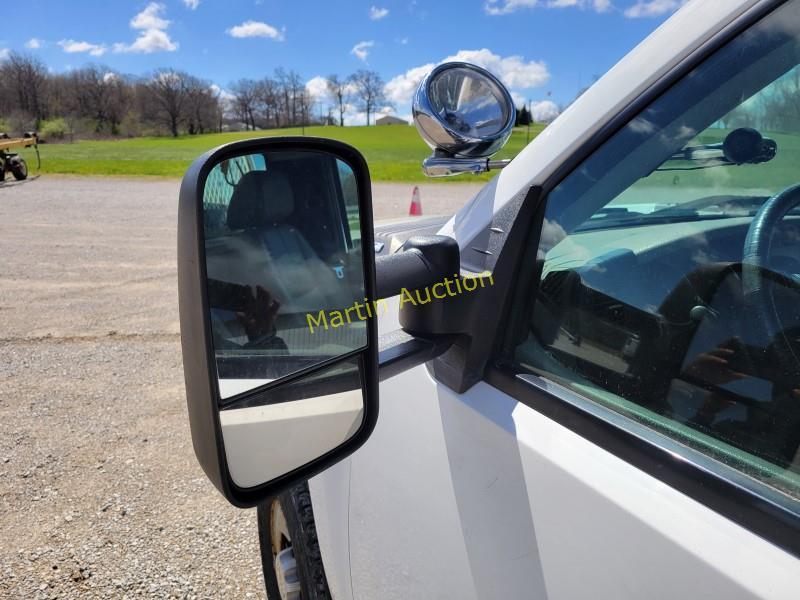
x=19 y=169
x=286 y=527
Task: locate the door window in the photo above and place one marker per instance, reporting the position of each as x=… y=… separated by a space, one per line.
x=666 y=281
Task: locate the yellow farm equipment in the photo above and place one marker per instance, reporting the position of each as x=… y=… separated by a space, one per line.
x=10 y=160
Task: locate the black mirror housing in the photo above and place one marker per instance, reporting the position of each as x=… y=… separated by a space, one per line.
x=210 y=398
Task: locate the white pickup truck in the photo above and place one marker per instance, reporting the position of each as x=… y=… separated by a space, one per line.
x=588 y=381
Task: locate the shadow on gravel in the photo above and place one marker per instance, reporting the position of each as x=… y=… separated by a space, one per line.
x=10 y=183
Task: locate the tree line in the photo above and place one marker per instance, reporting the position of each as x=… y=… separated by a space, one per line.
x=283 y=100
x=95 y=100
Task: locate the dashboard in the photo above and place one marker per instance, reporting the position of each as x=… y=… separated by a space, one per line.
x=656 y=315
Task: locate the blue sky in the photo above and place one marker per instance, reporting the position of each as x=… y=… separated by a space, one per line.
x=545 y=50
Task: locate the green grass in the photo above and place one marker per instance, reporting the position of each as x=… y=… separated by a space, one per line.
x=394 y=153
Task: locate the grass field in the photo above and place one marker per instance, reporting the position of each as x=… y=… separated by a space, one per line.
x=394 y=153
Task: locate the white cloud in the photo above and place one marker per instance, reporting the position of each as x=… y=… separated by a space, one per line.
x=505 y=7
x=361 y=50
x=401 y=89
x=167 y=77
x=513 y=71
x=544 y=111
x=352 y=118
x=192 y=4
x=317 y=87
x=518 y=99
x=109 y=77
x=74 y=47
x=652 y=8
x=226 y=98
x=149 y=41
x=376 y=14
x=597 y=5
x=150 y=17
x=153 y=37
x=4 y=53
x=495 y=7
x=250 y=29
x=34 y=44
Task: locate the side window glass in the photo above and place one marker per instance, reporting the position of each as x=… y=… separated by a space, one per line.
x=667 y=276
x=349 y=189
x=220 y=186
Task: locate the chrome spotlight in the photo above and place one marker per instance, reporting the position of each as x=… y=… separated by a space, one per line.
x=466 y=115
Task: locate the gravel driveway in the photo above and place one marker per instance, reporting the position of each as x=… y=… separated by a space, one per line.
x=101 y=493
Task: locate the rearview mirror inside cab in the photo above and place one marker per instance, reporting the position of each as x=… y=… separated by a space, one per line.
x=275 y=240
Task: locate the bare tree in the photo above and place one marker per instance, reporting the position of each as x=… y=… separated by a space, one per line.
x=165 y=98
x=25 y=81
x=781 y=107
x=269 y=101
x=290 y=91
x=203 y=109
x=284 y=96
x=96 y=100
x=297 y=90
x=339 y=91
x=97 y=93
x=368 y=91
x=119 y=99
x=246 y=98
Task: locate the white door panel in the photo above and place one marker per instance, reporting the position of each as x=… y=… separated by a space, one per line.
x=629 y=535
x=405 y=532
x=479 y=496
x=330 y=491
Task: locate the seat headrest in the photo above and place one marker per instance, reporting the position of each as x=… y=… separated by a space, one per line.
x=260 y=198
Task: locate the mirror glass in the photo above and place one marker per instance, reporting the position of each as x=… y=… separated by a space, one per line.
x=285 y=285
x=285 y=278
x=469 y=103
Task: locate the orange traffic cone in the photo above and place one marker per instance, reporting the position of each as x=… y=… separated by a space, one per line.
x=416 y=204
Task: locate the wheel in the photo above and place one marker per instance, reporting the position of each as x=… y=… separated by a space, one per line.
x=290 y=554
x=19 y=169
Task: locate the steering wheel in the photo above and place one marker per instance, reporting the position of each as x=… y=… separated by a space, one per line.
x=759 y=300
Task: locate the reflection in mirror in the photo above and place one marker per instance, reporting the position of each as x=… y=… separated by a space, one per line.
x=282 y=243
x=470 y=104
x=304 y=418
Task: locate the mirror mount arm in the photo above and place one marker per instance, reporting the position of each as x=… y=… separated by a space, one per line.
x=447 y=166
x=424 y=261
x=399 y=351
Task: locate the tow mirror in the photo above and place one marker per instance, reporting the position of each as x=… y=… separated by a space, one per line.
x=277 y=298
